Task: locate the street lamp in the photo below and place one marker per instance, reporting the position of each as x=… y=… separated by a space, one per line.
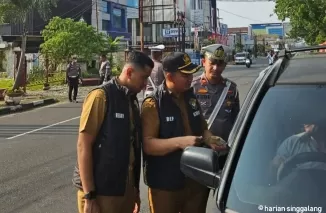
x=181 y=26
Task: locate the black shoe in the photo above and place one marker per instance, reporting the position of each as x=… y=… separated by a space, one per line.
x=75 y=101
x=70 y=100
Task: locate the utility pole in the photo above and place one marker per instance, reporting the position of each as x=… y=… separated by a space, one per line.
x=96 y=8
x=141 y=24
x=213 y=3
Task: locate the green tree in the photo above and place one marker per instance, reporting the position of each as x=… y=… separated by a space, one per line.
x=308 y=18
x=64 y=38
x=111 y=47
x=17 y=11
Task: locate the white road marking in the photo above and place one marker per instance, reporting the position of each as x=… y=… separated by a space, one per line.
x=45 y=127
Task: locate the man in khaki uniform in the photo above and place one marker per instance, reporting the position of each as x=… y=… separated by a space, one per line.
x=108 y=171
x=172 y=120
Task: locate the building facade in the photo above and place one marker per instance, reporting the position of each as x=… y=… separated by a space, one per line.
x=111 y=17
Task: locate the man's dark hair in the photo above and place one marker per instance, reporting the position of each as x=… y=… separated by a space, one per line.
x=139 y=59
x=103 y=55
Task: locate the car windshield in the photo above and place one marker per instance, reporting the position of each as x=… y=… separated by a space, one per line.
x=282 y=165
x=240 y=55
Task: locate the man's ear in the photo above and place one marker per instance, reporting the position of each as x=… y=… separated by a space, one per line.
x=203 y=61
x=168 y=76
x=129 y=72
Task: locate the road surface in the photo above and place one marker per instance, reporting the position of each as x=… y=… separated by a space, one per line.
x=38 y=153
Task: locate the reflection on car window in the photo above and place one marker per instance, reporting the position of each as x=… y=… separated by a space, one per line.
x=283 y=160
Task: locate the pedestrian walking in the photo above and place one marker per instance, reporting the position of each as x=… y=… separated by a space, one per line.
x=73 y=76
x=157 y=75
x=105 y=69
x=109 y=151
x=172 y=120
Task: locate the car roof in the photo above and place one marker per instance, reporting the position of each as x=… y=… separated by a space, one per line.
x=305 y=69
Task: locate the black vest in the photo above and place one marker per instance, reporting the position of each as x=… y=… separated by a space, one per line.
x=163 y=172
x=111 y=150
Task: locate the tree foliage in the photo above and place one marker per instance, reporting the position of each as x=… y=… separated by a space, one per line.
x=64 y=38
x=307 y=17
x=17 y=11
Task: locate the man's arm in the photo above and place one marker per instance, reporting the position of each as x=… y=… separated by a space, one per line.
x=236 y=106
x=91 y=120
x=67 y=71
x=79 y=71
x=152 y=144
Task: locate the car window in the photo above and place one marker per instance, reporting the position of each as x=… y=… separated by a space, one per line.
x=240 y=55
x=282 y=162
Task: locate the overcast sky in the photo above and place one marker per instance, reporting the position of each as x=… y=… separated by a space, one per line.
x=242 y=14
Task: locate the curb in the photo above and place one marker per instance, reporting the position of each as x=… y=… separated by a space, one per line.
x=27 y=106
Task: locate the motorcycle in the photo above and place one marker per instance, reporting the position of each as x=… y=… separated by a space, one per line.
x=248 y=64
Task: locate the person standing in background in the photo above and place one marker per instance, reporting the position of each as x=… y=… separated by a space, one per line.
x=157 y=75
x=105 y=69
x=73 y=74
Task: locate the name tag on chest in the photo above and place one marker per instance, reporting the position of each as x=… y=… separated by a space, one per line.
x=119 y=115
x=169 y=119
x=196 y=113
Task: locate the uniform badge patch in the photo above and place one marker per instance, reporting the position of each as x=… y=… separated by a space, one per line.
x=193 y=103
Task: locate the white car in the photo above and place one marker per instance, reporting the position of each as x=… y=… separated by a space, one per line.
x=240 y=58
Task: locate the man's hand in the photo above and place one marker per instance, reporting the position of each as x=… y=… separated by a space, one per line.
x=216 y=143
x=190 y=141
x=91 y=207
x=137 y=203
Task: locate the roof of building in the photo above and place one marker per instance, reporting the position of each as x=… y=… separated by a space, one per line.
x=305 y=69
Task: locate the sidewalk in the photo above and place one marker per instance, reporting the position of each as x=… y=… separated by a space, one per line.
x=35 y=99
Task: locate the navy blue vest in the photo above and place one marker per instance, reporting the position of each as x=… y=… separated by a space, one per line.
x=163 y=172
x=111 y=150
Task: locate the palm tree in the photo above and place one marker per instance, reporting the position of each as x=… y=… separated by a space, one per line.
x=17 y=11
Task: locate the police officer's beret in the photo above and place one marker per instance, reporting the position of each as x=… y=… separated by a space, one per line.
x=179 y=61
x=215 y=52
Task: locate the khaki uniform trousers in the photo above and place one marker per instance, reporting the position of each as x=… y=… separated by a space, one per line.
x=113 y=204
x=192 y=199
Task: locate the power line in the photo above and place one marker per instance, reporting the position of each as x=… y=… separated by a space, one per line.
x=239 y=15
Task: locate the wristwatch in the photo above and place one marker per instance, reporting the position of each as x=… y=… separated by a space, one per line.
x=90 y=195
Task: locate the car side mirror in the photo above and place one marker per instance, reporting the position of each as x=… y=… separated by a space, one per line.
x=201 y=165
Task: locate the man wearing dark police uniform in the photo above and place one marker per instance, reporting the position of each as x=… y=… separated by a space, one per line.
x=209 y=89
x=157 y=75
x=172 y=120
x=109 y=153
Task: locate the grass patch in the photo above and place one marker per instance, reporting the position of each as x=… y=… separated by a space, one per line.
x=33 y=86
x=6 y=83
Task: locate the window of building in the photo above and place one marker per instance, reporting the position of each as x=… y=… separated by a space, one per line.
x=104 y=7
x=105 y=25
x=118 y=18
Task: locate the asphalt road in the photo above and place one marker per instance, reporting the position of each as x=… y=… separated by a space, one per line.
x=38 y=153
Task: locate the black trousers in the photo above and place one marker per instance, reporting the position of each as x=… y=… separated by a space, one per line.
x=73 y=86
x=103 y=78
